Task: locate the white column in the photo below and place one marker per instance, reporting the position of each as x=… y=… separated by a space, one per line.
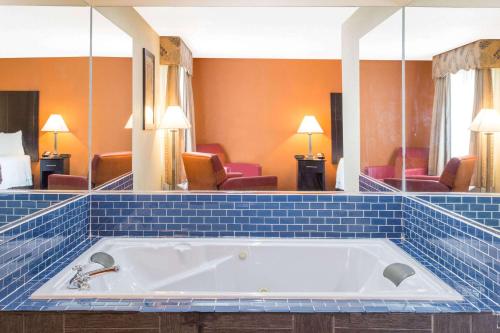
x=359 y=24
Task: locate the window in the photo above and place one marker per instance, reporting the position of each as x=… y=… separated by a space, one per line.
x=462 y=103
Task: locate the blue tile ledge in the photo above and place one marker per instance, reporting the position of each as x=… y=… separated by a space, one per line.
x=20 y=300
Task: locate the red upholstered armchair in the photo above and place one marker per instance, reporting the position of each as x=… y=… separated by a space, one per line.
x=105 y=167
x=247 y=169
x=417 y=160
x=205 y=172
x=456 y=177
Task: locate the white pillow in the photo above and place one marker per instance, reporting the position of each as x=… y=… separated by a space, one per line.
x=11 y=144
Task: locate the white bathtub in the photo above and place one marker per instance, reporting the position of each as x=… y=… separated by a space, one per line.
x=250 y=268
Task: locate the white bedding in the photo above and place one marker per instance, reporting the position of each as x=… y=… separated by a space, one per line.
x=16 y=171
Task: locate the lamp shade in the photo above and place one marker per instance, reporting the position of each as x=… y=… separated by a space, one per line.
x=487 y=121
x=55 y=123
x=309 y=125
x=128 y=125
x=174 y=118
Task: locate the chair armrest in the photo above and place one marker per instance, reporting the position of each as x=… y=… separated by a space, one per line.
x=247 y=169
x=67 y=182
x=422 y=177
x=416 y=172
x=380 y=172
x=262 y=183
x=418 y=185
x=234 y=174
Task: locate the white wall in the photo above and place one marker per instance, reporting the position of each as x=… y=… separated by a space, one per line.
x=359 y=24
x=147 y=146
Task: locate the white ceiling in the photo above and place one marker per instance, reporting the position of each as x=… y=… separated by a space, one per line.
x=243 y=32
x=253 y=32
x=430 y=31
x=38 y=31
x=314 y=32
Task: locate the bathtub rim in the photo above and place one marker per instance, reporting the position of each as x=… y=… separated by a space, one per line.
x=449 y=293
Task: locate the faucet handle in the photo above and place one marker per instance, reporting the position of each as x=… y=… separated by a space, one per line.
x=78 y=268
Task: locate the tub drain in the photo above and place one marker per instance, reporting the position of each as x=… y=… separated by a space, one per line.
x=243 y=255
x=263 y=290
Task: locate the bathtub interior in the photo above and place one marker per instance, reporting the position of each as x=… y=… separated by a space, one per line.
x=215 y=268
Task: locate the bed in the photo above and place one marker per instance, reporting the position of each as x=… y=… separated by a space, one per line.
x=18 y=138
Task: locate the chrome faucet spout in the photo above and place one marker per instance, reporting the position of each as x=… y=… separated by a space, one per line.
x=81 y=279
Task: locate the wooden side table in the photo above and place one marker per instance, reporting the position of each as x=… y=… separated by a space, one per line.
x=53 y=164
x=311 y=175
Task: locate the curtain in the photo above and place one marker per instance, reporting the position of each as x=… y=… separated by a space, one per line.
x=189 y=109
x=483 y=98
x=440 y=143
x=496 y=103
x=179 y=91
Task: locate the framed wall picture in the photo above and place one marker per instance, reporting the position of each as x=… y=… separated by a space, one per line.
x=148 y=86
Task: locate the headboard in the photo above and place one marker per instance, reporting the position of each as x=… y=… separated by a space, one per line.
x=19 y=111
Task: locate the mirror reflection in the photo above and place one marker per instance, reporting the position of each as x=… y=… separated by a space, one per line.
x=44 y=91
x=381 y=101
x=451 y=122
x=112 y=121
x=251 y=104
x=460 y=128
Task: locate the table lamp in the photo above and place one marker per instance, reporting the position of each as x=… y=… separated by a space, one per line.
x=55 y=124
x=173 y=120
x=309 y=126
x=488 y=122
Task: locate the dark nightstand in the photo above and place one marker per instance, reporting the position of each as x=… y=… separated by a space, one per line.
x=311 y=174
x=53 y=164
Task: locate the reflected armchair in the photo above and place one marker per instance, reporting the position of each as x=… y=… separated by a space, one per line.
x=105 y=167
x=417 y=160
x=205 y=172
x=247 y=169
x=456 y=177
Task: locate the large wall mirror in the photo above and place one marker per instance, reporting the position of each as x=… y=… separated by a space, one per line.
x=178 y=103
x=44 y=102
x=381 y=96
x=260 y=112
x=452 y=118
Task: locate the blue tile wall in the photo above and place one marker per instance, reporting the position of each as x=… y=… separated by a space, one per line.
x=246 y=215
x=369 y=184
x=14 y=206
x=122 y=183
x=483 y=209
x=32 y=246
x=463 y=255
x=454 y=246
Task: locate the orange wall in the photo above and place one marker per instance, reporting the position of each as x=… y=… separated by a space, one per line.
x=253 y=107
x=64 y=85
x=112 y=97
x=381 y=100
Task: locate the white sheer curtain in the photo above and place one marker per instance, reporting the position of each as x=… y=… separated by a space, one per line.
x=439 y=149
x=496 y=103
x=462 y=103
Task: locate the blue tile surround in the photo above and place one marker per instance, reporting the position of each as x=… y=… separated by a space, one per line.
x=246 y=215
x=122 y=183
x=14 y=206
x=29 y=249
x=457 y=250
x=369 y=184
x=460 y=253
x=483 y=209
